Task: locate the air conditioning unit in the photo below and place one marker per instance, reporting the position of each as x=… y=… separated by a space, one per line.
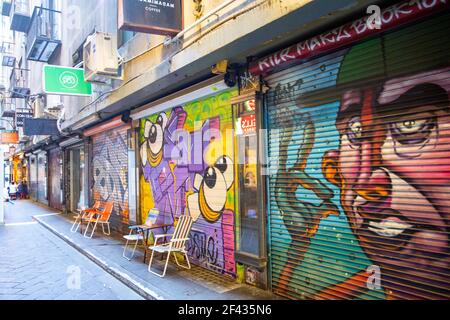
x=53 y=112
x=100 y=58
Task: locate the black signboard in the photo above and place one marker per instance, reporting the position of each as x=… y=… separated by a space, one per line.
x=164 y=17
x=40 y=127
x=21 y=115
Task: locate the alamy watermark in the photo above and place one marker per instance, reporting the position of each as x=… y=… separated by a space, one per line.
x=374 y=19
x=74 y=278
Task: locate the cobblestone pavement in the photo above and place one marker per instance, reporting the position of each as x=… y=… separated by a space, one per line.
x=37 y=265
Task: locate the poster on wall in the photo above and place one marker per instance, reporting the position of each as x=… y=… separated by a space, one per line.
x=151 y=16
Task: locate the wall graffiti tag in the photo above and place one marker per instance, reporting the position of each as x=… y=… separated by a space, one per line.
x=110 y=171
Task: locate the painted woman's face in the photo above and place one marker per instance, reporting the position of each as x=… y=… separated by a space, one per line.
x=393 y=168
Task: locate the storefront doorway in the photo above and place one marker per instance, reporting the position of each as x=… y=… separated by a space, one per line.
x=251 y=244
x=77 y=178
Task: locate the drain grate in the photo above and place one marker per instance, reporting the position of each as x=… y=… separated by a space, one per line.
x=210 y=280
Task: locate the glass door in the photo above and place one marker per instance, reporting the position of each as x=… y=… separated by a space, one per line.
x=251 y=244
x=248 y=195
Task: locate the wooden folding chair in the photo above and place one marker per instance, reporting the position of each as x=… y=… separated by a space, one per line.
x=177 y=243
x=101 y=218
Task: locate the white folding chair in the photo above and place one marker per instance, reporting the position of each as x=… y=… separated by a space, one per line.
x=137 y=233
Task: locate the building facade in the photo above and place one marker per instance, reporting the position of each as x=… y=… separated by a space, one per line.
x=313 y=164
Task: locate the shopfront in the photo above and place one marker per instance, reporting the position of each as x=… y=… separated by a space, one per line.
x=186 y=155
x=75 y=174
x=42 y=177
x=198 y=152
x=358 y=151
x=111 y=171
x=33 y=177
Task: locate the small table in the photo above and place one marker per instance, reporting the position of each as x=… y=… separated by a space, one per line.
x=145 y=230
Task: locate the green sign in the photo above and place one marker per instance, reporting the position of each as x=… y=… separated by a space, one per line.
x=65 y=81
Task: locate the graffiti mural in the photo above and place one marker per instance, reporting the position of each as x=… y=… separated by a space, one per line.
x=187 y=168
x=110 y=172
x=360 y=185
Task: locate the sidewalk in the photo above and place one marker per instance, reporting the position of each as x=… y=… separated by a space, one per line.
x=178 y=284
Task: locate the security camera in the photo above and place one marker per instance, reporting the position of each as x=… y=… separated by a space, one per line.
x=230 y=79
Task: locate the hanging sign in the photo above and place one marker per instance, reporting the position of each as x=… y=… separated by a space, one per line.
x=22 y=114
x=9 y=137
x=164 y=17
x=65 y=81
x=40 y=127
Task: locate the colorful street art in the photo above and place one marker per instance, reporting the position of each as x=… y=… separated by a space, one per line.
x=110 y=172
x=187 y=168
x=360 y=183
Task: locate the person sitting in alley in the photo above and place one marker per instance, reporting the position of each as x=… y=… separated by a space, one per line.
x=12 y=191
x=22 y=190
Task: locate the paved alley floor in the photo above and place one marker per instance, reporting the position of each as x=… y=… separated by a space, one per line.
x=37 y=265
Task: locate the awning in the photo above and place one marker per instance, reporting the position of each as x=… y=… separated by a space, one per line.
x=114 y=123
x=70 y=142
x=201 y=90
x=391 y=17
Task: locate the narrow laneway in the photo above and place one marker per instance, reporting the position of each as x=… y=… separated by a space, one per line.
x=35 y=264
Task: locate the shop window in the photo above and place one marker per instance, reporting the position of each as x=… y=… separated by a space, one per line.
x=251 y=244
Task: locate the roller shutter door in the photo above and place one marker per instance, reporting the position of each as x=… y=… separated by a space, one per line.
x=110 y=173
x=187 y=168
x=359 y=149
x=55 y=179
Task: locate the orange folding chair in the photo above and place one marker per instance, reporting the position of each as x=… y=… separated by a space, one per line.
x=85 y=214
x=102 y=218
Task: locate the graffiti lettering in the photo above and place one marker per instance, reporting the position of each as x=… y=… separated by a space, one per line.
x=203 y=248
x=110 y=163
x=390 y=17
x=286 y=92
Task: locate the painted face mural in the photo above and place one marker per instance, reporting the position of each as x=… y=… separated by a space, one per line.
x=187 y=170
x=393 y=169
x=361 y=142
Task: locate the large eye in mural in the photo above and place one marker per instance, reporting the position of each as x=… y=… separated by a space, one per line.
x=212 y=194
x=152 y=147
x=354 y=131
x=162 y=120
x=225 y=166
x=156 y=139
x=413 y=131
